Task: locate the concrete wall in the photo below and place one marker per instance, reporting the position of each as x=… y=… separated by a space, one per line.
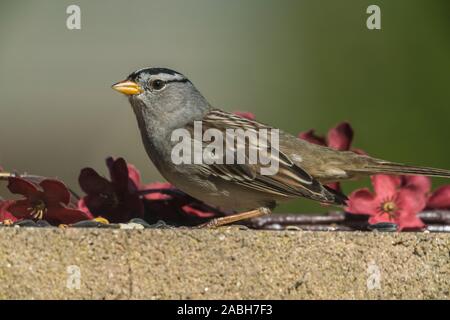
x=226 y=263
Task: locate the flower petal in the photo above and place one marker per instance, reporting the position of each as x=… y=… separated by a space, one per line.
x=440 y=199
x=410 y=200
x=21 y=186
x=62 y=215
x=119 y=173
x=420 y=184
x=55 y=192
x=335 y=186
x=359 y=151
x=362 y=201
x=381 y=217
x=340 y=137
x=410 y=203
x=5 y=214
x=310 y=136
x=134 y=175
x=134 y=205
x=21 y=209
x=92 y=183
x=409 y=220
x=244 y=114
x=97 y=204
x=157 y=195
x=131 y=207
x=385 y=186
x=198 y=212
x=82 y=206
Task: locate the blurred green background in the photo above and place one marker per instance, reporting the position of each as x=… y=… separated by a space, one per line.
x=296 y=64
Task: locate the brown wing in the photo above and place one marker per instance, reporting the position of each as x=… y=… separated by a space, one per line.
x=289 y=181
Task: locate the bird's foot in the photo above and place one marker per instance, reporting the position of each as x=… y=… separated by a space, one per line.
x=217 y=222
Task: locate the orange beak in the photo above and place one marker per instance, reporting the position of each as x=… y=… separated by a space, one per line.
x=127 y=87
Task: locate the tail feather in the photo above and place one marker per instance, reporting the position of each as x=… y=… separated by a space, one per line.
x=402 y=169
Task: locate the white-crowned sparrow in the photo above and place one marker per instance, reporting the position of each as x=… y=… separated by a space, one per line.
x=164 y=100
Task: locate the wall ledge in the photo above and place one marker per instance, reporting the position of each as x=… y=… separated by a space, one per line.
x=228 y=263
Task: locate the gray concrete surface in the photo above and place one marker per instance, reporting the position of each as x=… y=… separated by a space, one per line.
x=226 y=263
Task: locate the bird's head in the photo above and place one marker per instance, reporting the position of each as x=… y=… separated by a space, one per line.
x=160 y=92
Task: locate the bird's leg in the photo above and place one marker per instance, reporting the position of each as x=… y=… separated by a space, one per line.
x=217 y=222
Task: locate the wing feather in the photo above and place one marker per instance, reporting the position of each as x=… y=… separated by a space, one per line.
x=290 y=181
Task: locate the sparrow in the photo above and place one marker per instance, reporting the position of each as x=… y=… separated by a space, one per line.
x=164 y=100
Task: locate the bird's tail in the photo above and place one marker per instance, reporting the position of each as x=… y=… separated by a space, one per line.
x=386 y=167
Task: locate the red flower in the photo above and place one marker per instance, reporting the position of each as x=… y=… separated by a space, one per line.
x=339 y=138
x=125 y=197
x=391 y=202
x=4 y=211
x=164 y=202
x=117 y=200
x=244 y=114
x=48 y=200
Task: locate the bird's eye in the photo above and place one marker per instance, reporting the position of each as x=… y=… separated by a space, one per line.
x=157 y=84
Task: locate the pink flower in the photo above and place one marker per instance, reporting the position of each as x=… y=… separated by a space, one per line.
x=440 y=198
x=421 y=184
x=339 y=137
x=48 y=200
x=117 y=200
x=244 y=114
x=390 y=202
x=4 y=211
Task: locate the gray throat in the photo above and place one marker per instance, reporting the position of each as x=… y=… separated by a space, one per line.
x=156 y=129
